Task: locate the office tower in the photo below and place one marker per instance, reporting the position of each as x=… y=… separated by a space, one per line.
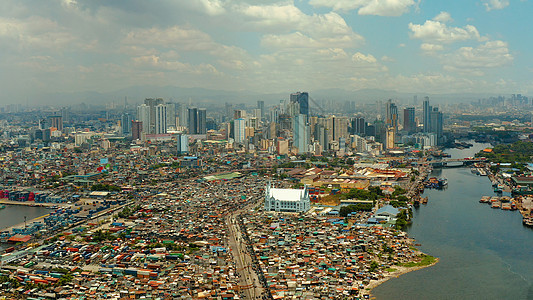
x=65 y=114
x=300 y=133
x=320 y=135
x=229 y=111
x=143 y=115
x=359 y=126
x=303 y=101
x=171 y=115
x=126 y=124
x=183 y=143
x=151 y=103
x=261 y=107
x=239 y=114
x=56 y=122
x=160 y=123
x=183 y=115
x=391 y=115
x=426 y=115
x=193 y=120
x=415 y=100
x=409 y=124
x=239 y=127
x=202 y=119
x=437 y=122
x=390 y=136
x=136 y=130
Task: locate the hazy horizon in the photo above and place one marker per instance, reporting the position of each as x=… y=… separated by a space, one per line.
x=76 y=48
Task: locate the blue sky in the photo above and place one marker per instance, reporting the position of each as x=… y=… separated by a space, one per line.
x=269 y=46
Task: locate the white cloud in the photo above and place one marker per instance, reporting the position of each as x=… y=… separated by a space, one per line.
x=360 y=57
x=495 y=4
x=157 y=63
x=431 y=47
x=438 y=32
x=470 y=60
x=189 y=39
x=368 y=7
x=443 y=17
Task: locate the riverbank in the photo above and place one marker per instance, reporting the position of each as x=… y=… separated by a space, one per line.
x=33 y=204
x=399 y=270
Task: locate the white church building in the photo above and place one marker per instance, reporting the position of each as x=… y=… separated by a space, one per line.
x=287 y=200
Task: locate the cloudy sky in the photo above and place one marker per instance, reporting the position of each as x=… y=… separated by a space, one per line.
x=265 y=45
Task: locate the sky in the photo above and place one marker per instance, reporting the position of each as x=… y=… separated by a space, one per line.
x=266 y=46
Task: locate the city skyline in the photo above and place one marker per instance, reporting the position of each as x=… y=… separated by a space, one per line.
x=74 y=46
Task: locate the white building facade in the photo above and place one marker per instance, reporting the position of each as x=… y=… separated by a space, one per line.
x=287 y=200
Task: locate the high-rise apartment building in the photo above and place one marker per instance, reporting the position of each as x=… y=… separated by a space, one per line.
x=202 y=120
x=409 y=123
x=126 y=124
x=261 y=107
x=197 y=120
x=426 y=115
x=183 y=143
x=301 y=133
x=151 y=103
x=239 y=130
x=358 y=126
x=303 y=101
x=136 y=130
x=143 y=115
x=160 y=123
x=56 y=122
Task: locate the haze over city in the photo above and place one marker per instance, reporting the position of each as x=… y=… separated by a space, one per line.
x=74 y=48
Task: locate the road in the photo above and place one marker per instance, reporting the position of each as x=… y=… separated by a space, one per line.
x=249 y=281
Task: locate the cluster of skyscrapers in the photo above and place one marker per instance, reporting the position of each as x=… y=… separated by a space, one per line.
x=289 y=127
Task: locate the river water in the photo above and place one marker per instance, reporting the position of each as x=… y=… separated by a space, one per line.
x=13 y=215
x=484 y=253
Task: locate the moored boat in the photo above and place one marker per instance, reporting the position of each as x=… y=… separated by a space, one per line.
x=484 y=199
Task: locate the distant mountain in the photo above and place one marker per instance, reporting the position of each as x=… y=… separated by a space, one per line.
x=198 y=96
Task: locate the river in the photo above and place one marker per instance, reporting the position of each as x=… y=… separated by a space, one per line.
x=14 y=214
x=484 y=253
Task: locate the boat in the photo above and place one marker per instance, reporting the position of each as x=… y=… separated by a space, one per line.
x=506 y=206
x=527 y=222
x=513 y=205
x=495 y=204
x=482 y=172
x=2 y=206
x=425 y=200
x=484 y=199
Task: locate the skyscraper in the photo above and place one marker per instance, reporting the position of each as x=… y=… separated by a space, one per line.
x=193 y=120
x=183 y=143
x=171 y=115
x=56 y=122
x=239 y=126
x=409 y=124
x=136 y=130
x=126 y=124
x=143 y=115
x=391 y=115
x=151 y=103
x=437 y=123
x=303 y=100
x=359 y=126
x=202 y=117
x=301 y=133
x=197 y=120
x=426 y=117
x=160 y=123
x=261 y=106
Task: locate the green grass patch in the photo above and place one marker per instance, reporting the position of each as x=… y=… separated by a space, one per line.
x=390 y=270
x=426 y=260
